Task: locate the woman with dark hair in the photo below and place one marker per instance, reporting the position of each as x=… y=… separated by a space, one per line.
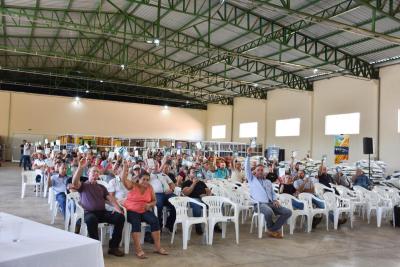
x=139 y=203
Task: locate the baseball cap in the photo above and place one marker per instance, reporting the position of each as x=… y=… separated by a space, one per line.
x=136 y=166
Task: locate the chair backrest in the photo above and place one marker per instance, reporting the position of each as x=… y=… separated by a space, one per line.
x=218 y=191
x=330 y=200
x=286 y=200
x=29 y=177
x=307 y=197
x=178 y=191
x=74 y=196
x=181 y=206
x=103 y=183
x=103 y=177
x=319 y=189
x=215 y=204
x=372 y=198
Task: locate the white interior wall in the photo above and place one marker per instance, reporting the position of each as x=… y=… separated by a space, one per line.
x=219 y=115
x=287 y=104
x=389 y=145
x=54 y=115
x=344 y=95
x=249 y=110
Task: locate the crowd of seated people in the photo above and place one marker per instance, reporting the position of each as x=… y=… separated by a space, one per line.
x=141 y=184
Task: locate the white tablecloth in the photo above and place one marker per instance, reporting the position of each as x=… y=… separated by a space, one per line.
x=45 y=246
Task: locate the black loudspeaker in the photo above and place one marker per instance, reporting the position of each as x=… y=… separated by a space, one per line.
x=281 y=155
x=367 y=145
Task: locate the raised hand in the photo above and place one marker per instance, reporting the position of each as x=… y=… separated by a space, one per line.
x=82 y=163
x=249 y=150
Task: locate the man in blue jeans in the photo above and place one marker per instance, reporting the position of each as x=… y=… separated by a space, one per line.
x=262 y=191
x=195 y=189
x=59 y=184
x=164 y=187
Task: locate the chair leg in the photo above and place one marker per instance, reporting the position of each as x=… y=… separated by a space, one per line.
x=251 y=225
x=23 y=190
x=260 y=225
x=309 y=223
x=185 y=233
x=173 y=233
x=211 y=225
x=142 y=234
x=378 y=216
x=292 y=223
x=127 y=238
x=223 y=224
x=237 y=231
x=335 y=219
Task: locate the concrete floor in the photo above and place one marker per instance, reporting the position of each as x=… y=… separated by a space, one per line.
x=365 y=245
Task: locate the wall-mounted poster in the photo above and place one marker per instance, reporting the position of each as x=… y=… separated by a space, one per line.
x=341 y=148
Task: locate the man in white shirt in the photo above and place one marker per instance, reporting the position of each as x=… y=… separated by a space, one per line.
x=164 y=188
x=117 y=189
x=39 y=166
x=27 y=156
x=237 y=172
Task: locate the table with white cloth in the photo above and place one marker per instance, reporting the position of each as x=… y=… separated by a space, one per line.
x=45 y=246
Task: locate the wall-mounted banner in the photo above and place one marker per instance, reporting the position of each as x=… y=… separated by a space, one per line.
x=341 y=148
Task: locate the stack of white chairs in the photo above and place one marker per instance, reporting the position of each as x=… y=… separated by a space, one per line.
x=307 y=197
x=320 y=189
x=29 y=179
x=181 y=205
x=338 y=205
x=215 y=215
x=357 y=199
x=286 y=201
x=376 y=203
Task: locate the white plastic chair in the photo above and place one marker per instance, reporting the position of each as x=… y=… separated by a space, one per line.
x=215 y=215
x=320 y=189
x=381 y=206
x=307 y=197
x=79 y=214
x=70 y=223
x=357 y=200
x=241 y=199
x=54 y=206
x=286 y=201
x=29 y=178
x=181 y=205
x=258 y=219
x=338 y=205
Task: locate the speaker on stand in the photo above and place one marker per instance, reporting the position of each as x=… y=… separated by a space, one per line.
x=368 y=148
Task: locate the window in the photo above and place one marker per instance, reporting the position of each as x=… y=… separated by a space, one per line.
x=342 y=124
x=248 y=129
x=288 y=127
x=218 y=131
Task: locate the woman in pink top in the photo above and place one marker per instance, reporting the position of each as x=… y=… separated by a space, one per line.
x=139 y=203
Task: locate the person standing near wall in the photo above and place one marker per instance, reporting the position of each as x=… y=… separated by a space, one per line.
x=27 y=156
x=22 y=152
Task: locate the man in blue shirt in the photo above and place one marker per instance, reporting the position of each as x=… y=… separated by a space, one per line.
x=262 y=191
x=59 y=184
x=361 y=179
